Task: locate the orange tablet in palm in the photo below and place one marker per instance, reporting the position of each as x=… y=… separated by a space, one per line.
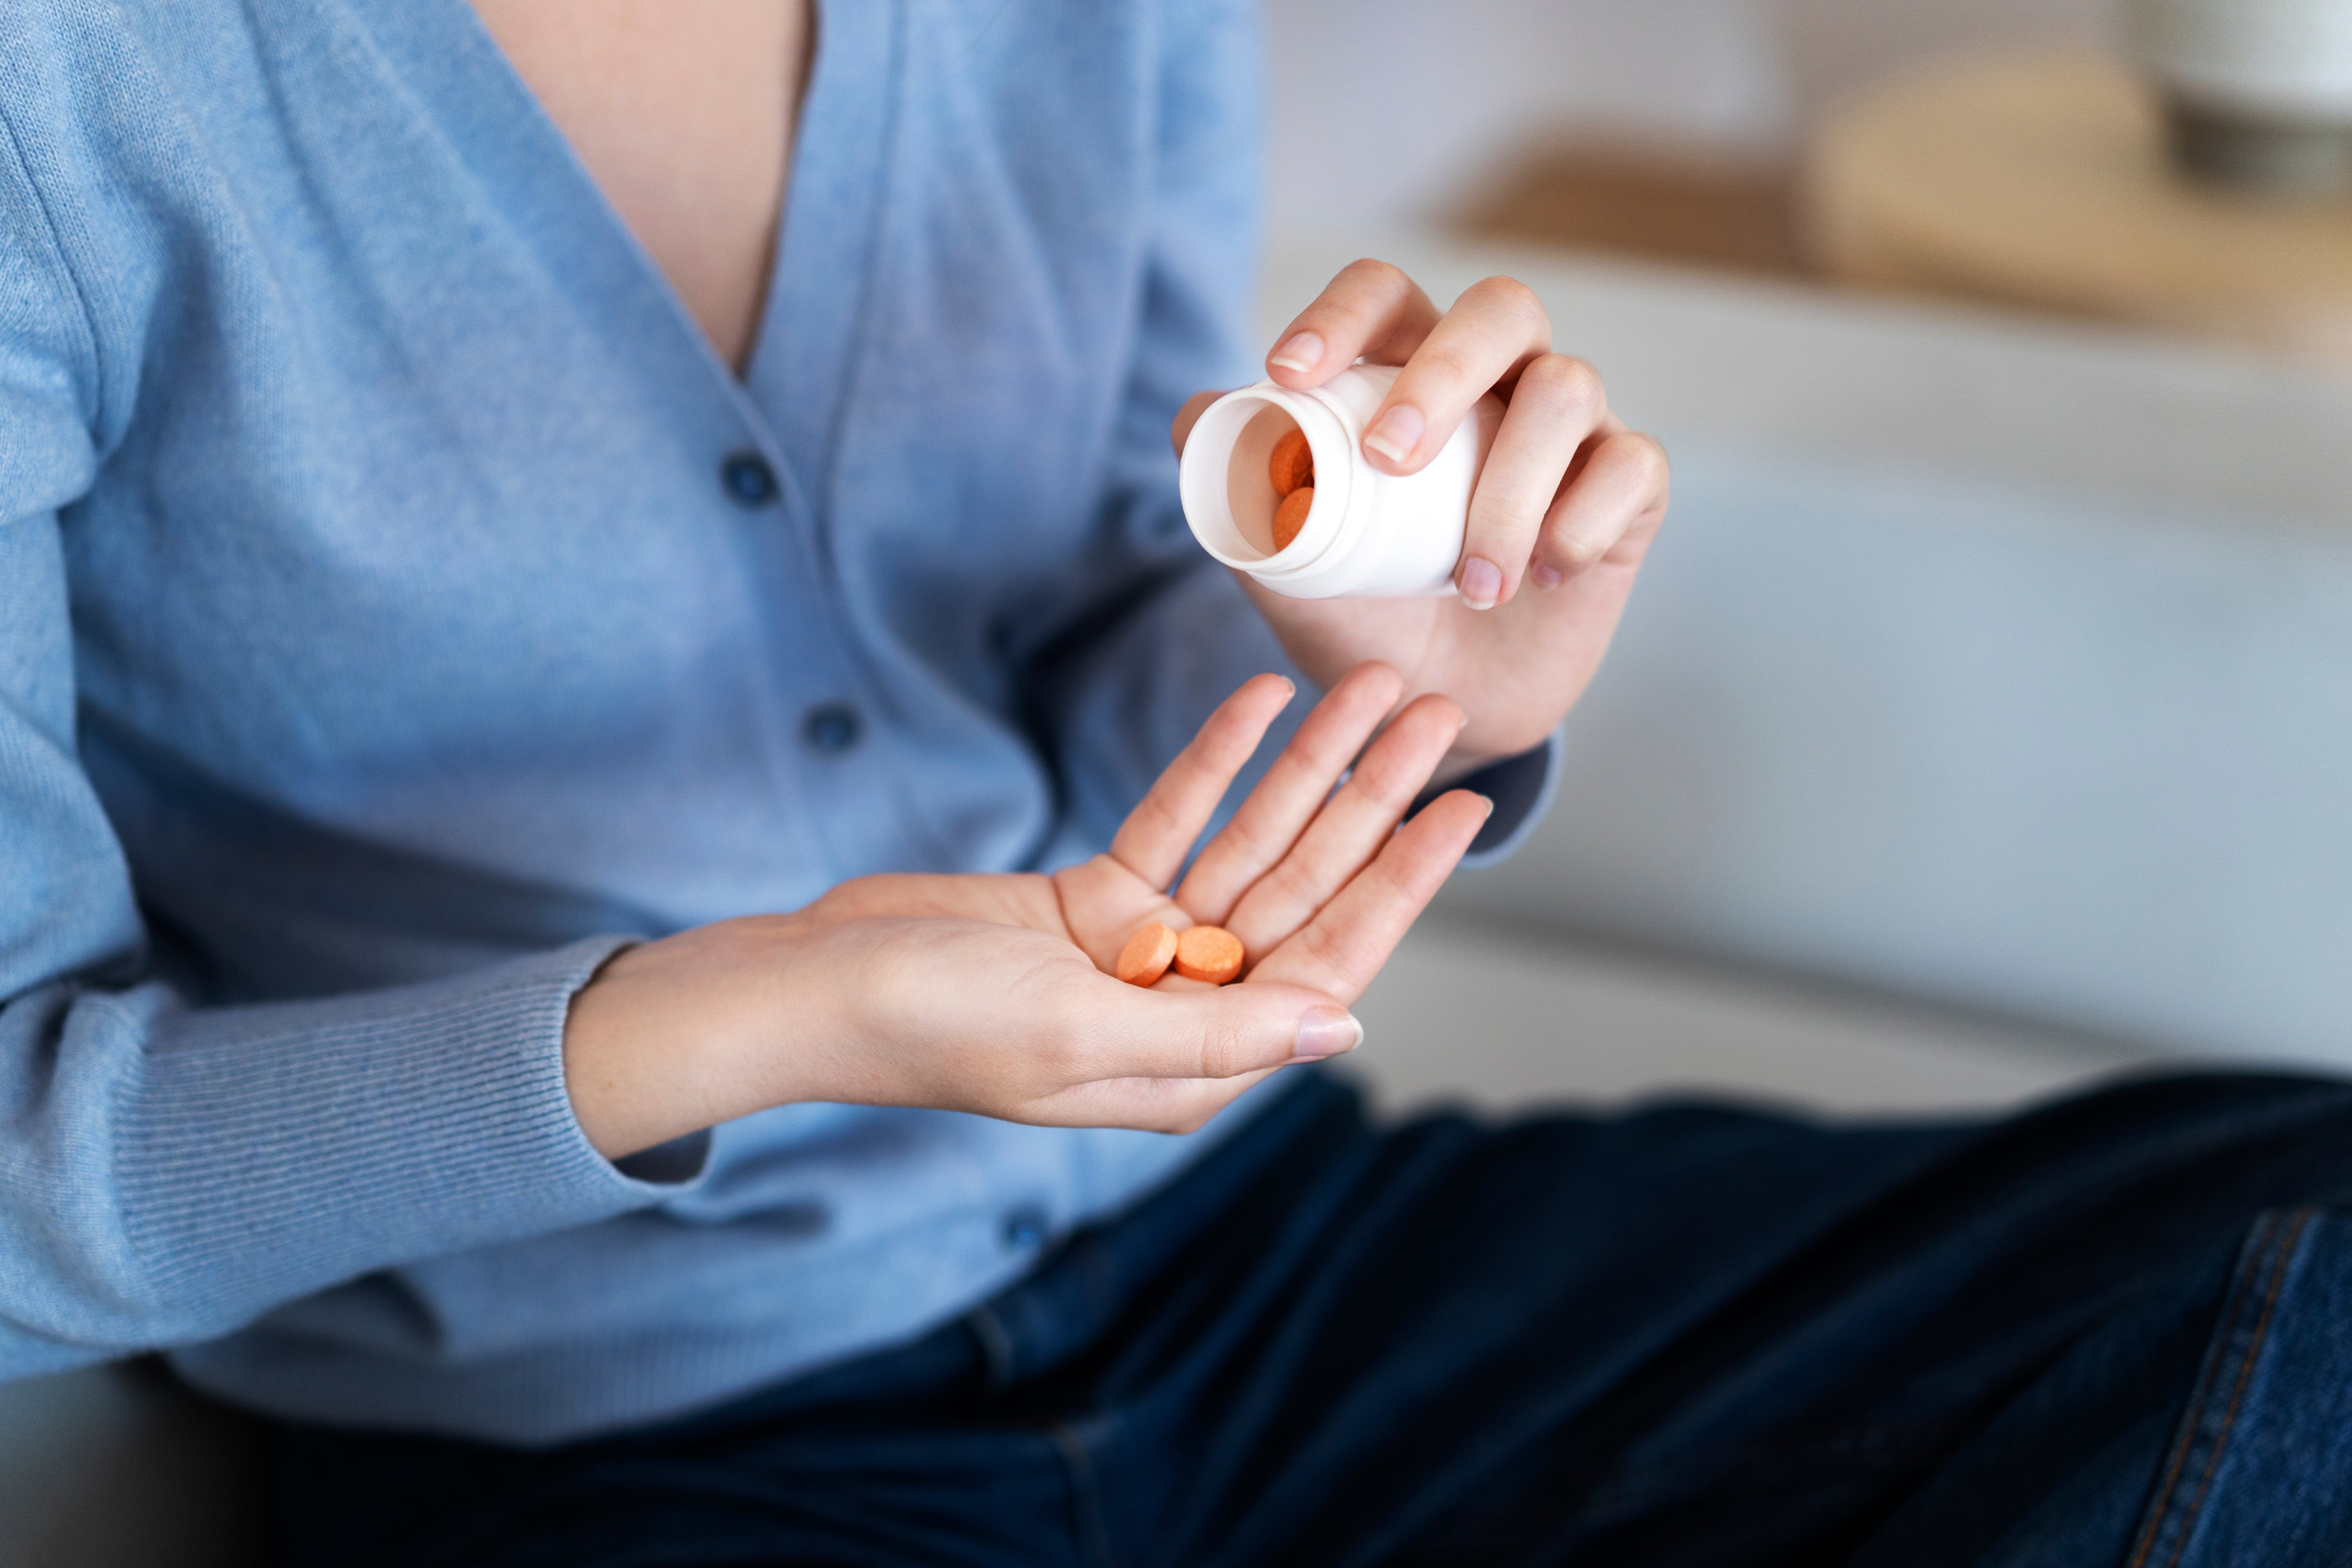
x=1291 y=515
x=1147 y=955
x=1292 y=465
x=1209 y=953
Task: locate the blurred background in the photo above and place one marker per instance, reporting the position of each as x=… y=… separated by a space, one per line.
x=1982 y=726
x=1664 y=125
x=1764 y=136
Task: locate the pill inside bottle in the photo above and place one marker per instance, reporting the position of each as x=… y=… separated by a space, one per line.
x=1291 y=515
x=1292 y=464
x=1275 y=484
x=1291 y=471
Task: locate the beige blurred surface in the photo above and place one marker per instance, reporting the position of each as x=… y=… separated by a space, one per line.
x=1683 y=205
x=1504 y=1018
x=2043 y=181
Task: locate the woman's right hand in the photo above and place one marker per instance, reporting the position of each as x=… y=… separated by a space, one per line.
x=989 y=994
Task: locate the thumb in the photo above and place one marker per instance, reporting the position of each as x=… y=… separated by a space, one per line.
x=1191 y=1031
x=1181 y=430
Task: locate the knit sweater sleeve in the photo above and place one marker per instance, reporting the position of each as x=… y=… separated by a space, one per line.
x=169 y=1172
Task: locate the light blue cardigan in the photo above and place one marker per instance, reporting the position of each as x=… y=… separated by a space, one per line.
x=400 y=608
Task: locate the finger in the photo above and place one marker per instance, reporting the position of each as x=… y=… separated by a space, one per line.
x=1617 y=495
x=1294 y=789
x=1556 y=405
x=1159 y=832
x=1495 y=329
x=1108 y=1029
x=1349 y=831
x=1342 y=948
x=1370 y=311
x=1181 y=430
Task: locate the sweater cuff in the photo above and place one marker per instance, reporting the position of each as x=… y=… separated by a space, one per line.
x=1521 y=788
x=275 y=1150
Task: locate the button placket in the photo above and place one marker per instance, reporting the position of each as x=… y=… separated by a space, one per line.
x=829 y=728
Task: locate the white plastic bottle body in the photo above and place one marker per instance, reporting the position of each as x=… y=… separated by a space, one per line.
x=1367 y=534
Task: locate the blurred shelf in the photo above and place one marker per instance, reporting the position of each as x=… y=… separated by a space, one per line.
x=1687 y=206
x=2043 y=181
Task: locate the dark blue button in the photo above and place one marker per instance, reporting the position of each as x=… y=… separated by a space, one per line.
x=832 y=727
x=1025 y=1227
x=749 y=479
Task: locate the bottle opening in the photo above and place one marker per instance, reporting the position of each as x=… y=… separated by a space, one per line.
x=1250 y=494
x=1232 y=498
x=1229 y=494
x=1349 y=529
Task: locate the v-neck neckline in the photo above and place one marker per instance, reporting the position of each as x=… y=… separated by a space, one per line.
x=793 y=381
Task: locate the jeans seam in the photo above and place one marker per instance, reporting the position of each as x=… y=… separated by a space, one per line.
x=1087 y=1521
x=2162 y=1519
x=995 y=1345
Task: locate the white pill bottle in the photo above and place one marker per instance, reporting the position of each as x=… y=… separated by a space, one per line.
x=1368 y=534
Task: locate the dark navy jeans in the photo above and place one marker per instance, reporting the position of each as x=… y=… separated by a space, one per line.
x=2114 y=1330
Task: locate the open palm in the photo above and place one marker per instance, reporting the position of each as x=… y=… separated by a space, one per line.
x=1319 y=883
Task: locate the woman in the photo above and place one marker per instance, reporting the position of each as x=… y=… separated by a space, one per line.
x=498 y=500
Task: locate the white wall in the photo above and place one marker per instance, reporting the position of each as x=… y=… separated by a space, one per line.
x=1384 y=108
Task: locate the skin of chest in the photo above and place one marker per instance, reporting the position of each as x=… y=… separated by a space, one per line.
x=683 y=113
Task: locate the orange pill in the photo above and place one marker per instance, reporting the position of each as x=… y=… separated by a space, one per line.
x=1292 y=465
x=1209 y=953
x=1291 y=515
x=1147 y=955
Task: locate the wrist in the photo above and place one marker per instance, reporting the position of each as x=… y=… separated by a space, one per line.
x=1465 y=762
x=672 y=1036
x=1488 y=742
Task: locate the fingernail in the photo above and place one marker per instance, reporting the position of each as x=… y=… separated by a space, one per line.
x=1394 y=436
x=1326 y=1032
x=1545 y=577
x=1481 y=583
x=1303 y=353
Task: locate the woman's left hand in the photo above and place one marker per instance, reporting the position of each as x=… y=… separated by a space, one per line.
x=1313 y=873
x=994 y=993
x=1563 y=513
